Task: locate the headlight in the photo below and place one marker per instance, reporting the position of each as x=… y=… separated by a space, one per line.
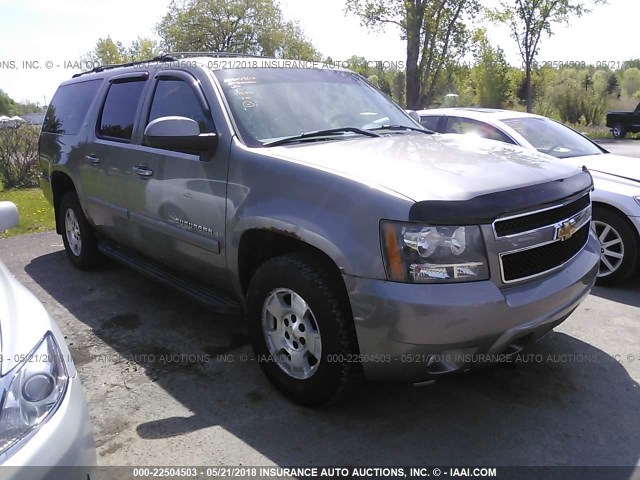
x=433 y=254
x=31 y=392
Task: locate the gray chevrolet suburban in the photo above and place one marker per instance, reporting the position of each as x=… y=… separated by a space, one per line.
x=357 y=244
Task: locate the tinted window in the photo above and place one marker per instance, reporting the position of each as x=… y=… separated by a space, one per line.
x=69 y=107
x=467 y=126
x=175 y=97
x=430 y=122
x=119 y=111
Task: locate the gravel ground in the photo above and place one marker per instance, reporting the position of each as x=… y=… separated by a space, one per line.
x=167 y=385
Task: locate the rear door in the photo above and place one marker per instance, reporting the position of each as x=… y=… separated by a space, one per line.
x=113 y=156
x=178 y=211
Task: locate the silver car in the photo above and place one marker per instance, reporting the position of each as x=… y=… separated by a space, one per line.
x=44 y=421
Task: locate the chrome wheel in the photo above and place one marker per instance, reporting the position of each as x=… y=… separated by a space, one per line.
x=291 y=333
x=72 y=229
x=612 y=248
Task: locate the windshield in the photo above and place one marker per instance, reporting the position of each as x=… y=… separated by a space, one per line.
x=552 y=137
x=274 y=103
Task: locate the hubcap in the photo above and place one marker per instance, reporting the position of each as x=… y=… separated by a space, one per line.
x=291 y=333
x=612 y=248
x=72 y=228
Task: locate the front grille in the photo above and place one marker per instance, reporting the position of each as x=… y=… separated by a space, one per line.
x=538 y=260
x=525 y=223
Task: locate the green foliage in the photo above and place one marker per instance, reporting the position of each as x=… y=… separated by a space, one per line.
x=109 y=52
x=490 y=76
x=579 y=96
x=237 y=26
x=7 y=105
x=19 y=156
x=631 y=82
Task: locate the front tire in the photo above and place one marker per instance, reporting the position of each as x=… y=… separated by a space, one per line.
x=619 y=243
x=302 y=330
x=79 y=239
x=619 y=131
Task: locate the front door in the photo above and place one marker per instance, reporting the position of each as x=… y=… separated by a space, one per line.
x=178 y=211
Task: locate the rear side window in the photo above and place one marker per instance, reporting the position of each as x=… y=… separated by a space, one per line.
x=119 y=111
x=175 y=97
x=430 y=122
x=69 y=107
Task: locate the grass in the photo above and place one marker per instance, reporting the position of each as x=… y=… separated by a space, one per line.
x=36 y=214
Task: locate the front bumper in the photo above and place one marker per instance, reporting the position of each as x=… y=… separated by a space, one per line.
x=413 y=333
x=63 y=447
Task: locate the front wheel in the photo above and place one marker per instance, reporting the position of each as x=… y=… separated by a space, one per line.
x=79 y=240
x=619 y=246
x=302 y=329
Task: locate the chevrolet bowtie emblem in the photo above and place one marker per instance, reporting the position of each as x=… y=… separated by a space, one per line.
x=565 y=230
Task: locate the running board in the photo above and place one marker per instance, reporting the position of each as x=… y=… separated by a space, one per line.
x=206 y=296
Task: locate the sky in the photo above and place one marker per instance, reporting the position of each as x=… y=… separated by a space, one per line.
x=55 y=34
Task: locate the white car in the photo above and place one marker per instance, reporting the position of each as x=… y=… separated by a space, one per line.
x=44 y=421
x=616 y=199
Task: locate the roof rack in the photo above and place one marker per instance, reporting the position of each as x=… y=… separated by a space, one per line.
x=166 y=57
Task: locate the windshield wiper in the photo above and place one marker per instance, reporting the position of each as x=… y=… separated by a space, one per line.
x=402 y=127
x=320 y=133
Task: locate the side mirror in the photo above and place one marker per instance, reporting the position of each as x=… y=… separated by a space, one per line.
x=8 y=216
x=414 y=115
x=178 y=133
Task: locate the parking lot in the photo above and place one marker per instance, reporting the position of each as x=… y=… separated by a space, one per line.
x=169 y=383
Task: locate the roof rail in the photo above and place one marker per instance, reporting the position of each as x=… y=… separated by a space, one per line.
x=166 y=57
x=177 y=55
x=102 y=68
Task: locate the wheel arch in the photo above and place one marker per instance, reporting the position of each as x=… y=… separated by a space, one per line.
x=258 y=244
x=617 y=211
x=61 y=183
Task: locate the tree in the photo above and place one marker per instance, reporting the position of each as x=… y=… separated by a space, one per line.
x=529 y=19
x=490 y=76
x=631 y=82
x=237 y=26
x=435 y=33
x=7 y=105
x=109 y=52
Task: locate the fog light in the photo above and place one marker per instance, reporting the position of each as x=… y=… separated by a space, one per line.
x=421 y=272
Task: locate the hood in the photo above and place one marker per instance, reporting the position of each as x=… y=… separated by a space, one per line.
x=431 y=167
x=23 y=323
x=617 y=165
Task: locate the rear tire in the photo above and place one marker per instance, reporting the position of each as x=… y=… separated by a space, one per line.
x=619 y=246
x=80 y=241
x=302 y=330
x=619 y=131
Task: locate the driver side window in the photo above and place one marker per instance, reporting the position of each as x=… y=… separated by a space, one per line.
x=175 y=97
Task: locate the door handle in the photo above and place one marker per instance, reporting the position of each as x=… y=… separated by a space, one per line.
x=142 y=170
x=92 y=159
